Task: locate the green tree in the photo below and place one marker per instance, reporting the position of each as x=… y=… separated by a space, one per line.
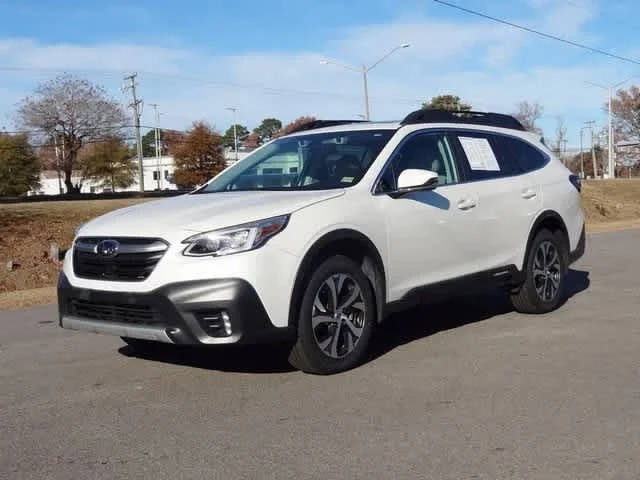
x=110 y=162
x=149 y=143
x=228 y=138
x=19 y=165
x=75 y=112
x=268 y=129
x=447 y=102
x=198 y=155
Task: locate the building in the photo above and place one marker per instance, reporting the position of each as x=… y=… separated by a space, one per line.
x=158 y=175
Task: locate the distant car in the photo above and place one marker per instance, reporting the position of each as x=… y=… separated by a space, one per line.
x=317 y=235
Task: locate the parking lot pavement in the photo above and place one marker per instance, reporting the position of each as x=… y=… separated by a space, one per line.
x=462 y=389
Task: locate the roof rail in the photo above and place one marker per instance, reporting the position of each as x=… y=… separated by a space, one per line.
x=477 y=118
x=323 y=123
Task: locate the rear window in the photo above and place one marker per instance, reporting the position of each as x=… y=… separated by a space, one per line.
x=525 y=155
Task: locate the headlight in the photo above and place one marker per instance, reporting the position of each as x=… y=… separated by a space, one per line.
x=240 y=238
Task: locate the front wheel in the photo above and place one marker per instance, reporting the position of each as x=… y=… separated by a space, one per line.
x=336 y=318
x=544 y=287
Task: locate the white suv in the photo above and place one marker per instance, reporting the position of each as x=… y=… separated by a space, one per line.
x=316 y=236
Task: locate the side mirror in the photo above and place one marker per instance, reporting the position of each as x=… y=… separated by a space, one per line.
x=415 y=180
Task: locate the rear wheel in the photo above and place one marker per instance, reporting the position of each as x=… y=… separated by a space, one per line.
x=544 y=287
x=336 y=318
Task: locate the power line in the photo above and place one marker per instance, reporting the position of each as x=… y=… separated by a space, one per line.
x=84 y=143
x=96 y=128
x=539 y=33
x=212 y=83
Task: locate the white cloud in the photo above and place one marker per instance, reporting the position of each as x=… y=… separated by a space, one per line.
x=479 y=61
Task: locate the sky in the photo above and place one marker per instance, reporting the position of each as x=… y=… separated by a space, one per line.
x=195 y=59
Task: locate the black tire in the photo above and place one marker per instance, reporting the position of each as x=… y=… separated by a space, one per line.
x=146 y=347
x=537 y=293
x=345 y=349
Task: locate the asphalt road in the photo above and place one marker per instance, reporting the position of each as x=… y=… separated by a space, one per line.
x=458 y=390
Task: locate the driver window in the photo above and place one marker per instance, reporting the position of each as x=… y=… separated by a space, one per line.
x=424 y=151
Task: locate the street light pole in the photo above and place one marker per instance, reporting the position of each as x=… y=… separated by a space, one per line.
x=365 y=70
x=156 y=132
x=366 y=92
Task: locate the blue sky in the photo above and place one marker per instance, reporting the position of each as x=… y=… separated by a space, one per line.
x=196 y=58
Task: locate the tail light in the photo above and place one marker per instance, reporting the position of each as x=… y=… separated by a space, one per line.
x=576 y=182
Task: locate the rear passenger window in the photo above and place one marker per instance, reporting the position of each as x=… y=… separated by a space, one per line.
x=484 y=159
x=526 y=156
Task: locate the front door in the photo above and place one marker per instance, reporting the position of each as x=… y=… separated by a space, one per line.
x=430 y=233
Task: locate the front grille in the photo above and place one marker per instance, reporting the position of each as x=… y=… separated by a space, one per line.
x=133 y=259
x=122 y=313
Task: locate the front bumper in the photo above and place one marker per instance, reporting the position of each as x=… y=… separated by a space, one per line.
x=175 y=313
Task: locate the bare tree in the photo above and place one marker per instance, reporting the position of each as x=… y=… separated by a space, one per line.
x=73 y=111
x=528 y=114
x=297 y=123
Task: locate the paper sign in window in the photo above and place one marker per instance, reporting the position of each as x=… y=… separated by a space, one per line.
x=480 y=154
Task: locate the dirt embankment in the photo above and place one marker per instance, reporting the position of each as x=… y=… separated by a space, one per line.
x=29 y=229
x=611 y=204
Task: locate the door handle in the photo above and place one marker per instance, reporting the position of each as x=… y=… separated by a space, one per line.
x=466 y=204
x=528 y=193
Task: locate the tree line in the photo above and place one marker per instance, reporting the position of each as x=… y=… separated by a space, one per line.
x=77 y=129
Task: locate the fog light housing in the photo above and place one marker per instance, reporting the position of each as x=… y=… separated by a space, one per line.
x=226 y=322
x=215 y=324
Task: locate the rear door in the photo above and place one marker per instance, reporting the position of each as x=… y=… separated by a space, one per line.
x=502 y=212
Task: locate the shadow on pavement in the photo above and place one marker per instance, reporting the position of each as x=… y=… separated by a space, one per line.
x=242 y=359
x=399 y=329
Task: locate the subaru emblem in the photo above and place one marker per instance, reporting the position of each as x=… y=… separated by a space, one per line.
x=107 y=248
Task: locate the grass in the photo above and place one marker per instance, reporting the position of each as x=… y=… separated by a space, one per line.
x=28 y=230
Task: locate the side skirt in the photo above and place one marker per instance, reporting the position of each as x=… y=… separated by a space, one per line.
x=508 y=277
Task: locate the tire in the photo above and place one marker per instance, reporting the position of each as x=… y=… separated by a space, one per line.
x=543 y=289
x=330 y=339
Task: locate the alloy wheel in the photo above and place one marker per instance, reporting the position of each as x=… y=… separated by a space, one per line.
x=338 y=315
x=547 y=271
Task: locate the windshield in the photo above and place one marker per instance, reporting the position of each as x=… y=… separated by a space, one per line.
x=318 y=161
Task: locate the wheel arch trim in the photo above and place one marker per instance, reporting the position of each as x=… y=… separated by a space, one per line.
x=310 y=258
x=545 y=216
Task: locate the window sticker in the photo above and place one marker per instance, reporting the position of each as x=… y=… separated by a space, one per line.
x=480 y=154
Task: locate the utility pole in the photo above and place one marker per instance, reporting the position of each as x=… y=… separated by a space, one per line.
x=612 y=166
x=582 y=152
x=136 y=105
x=156 y=132
x=610 y=89
x=235 y=132
x=589 y=125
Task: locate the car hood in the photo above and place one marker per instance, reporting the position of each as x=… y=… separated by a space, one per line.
x=202 y=212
